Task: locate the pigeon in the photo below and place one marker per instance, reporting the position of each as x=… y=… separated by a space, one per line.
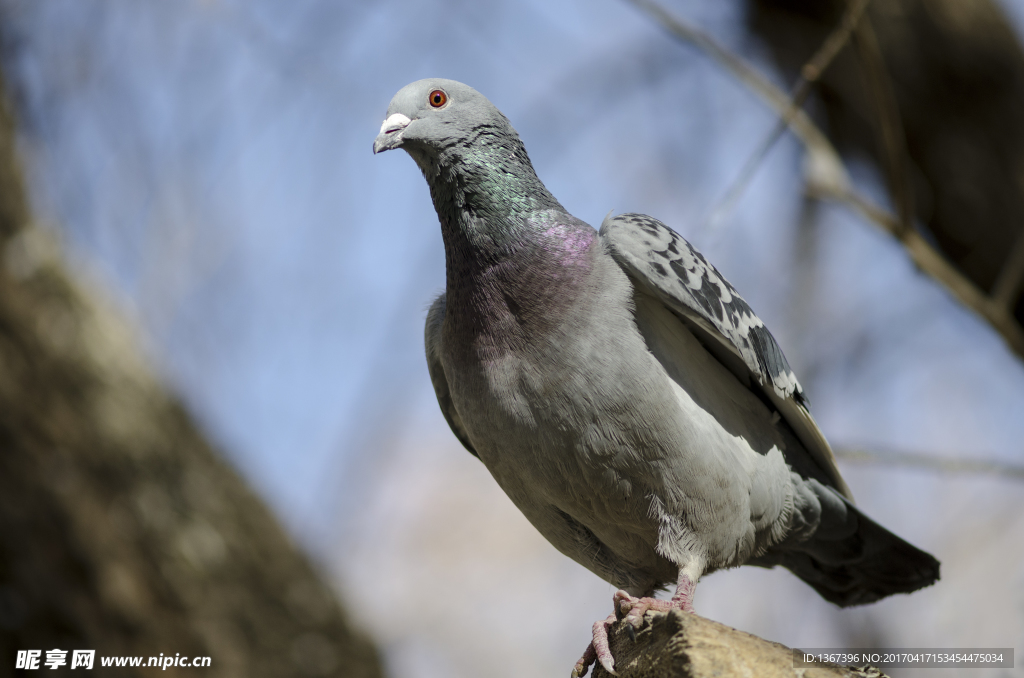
x=619 y=390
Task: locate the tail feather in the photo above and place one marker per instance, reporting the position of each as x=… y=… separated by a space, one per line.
x=866 y=566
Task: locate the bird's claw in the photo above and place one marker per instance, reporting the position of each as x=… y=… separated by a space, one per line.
x=630 y=610
x=588 y=658
x=598 y=650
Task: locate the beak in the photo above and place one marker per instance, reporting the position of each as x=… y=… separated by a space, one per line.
x=391 y=133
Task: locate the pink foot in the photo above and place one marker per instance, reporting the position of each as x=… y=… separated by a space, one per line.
x=630 y=610
x=597 y=650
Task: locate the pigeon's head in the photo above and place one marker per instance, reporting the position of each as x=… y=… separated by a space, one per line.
x=473 y=160
x=427 y=116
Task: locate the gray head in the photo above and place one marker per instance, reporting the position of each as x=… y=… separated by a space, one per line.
x=471 y=157
x=430 y=115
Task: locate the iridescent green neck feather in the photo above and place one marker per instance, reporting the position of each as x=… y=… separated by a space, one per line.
x=485 y=191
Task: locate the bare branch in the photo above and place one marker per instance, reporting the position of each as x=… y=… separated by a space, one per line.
x=828 y=178
x=812 y=70
x=810 y=74
x=813 y=139
x=929 y=260
x=788 y=107
x=891 y=135
x=932 y=462
x=1011 y=278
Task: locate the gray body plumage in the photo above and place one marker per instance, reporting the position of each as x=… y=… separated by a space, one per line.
x=617 y=388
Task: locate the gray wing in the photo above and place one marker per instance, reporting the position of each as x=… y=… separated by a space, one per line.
x=666 y=266
x=432 y=337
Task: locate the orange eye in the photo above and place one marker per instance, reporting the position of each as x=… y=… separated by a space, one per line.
x=437 y=98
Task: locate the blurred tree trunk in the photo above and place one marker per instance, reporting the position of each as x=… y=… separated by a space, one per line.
x=121 y=530
x=932 y=93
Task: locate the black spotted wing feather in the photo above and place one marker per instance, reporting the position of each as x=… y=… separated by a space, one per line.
x=667 y=262
x=665 y=265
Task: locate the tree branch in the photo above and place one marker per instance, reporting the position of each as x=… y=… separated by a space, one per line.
x=931 y=462
x=827 y=177
x=1011 y=278
x=892 y=139
x=931 y=261
x=824 y=158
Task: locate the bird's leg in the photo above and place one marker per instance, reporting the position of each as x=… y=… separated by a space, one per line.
x=631 y=610
x=682 y=599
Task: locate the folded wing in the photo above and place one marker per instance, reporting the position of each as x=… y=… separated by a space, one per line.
x=663 y=264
